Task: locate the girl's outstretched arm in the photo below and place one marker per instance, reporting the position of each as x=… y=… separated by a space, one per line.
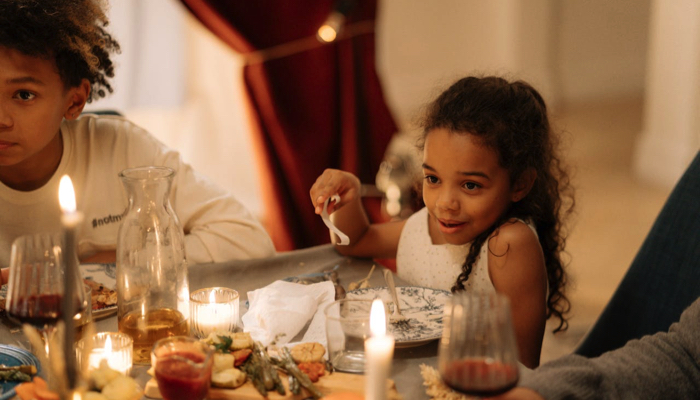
x=348 y=215
x=517 y=269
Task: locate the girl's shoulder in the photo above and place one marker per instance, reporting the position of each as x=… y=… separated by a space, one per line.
x=514 y=233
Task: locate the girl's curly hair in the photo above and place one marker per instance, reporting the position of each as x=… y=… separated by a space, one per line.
x=70 y=31
x=511 y=118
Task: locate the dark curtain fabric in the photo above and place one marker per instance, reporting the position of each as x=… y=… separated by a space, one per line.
x=314 y=105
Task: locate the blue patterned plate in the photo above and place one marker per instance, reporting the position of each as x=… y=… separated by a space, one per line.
x=422 y=306
x=12 y=356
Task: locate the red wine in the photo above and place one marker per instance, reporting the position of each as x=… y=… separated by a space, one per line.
x=479 y=377
x=180 y=380
x=38 y=310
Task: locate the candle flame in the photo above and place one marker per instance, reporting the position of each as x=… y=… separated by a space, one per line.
x=377 y=318
x=212 y=297
x=66 y=195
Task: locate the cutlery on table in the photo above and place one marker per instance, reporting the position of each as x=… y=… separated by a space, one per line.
x=396 y=316
x=362 y=283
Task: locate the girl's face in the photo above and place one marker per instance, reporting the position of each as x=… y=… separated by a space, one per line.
x=464 y=187
x=33 y=102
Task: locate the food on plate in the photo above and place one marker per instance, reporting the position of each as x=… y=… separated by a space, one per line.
x=19 y=373
x=226 y=341
x=308 y=352
x=114 y=386
x=239 y=359
x=102 y=296
x=222 y=361
x=228 y=378
x=109 y=384
x=122 y=388
x=100 y=377
x=313 y=370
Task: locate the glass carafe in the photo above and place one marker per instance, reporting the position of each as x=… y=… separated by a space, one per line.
x=152 y=287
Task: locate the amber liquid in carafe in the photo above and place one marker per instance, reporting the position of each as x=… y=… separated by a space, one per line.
x=146 y=329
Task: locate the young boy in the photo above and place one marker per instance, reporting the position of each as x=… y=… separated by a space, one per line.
x=55 y=57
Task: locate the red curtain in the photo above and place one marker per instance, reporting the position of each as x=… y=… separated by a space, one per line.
x=314 y=105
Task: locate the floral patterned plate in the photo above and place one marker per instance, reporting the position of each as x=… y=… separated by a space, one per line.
x=422 y=306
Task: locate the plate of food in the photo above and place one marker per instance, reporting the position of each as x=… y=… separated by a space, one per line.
x=421 y=305
x=18 y=365
x=102 y=279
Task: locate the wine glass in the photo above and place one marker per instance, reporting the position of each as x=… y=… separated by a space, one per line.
x=478 y=354
x=36 y=284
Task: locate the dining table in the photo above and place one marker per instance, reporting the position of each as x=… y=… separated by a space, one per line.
x=248 y=275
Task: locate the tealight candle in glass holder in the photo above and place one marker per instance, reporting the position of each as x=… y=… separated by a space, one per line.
x=116 y=348
x=213 y=309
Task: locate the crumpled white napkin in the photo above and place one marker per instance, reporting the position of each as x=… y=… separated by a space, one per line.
x=285 y=307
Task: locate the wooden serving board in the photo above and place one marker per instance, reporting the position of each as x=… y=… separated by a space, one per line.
x=335 y=382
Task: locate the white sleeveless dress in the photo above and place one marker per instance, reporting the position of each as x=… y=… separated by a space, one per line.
x=422 y=263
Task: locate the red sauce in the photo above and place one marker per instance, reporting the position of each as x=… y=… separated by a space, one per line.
x=179 y=380
x=478 y=377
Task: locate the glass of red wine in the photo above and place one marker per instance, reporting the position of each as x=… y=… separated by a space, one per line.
x=183 y=367
x=36 y=284
x=478 y=354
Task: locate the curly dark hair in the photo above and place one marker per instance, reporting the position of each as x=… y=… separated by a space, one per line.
x=70 y=31
x=511 y=118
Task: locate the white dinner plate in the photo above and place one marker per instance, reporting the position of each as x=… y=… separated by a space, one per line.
x=422 y=306
x=105 y=274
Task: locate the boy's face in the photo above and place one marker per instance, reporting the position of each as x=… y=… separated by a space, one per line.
x=33 y=102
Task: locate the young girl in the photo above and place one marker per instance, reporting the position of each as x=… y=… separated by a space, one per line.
x=494 y=194
x=55 y=57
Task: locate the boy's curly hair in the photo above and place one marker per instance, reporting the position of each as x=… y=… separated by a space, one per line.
x=512 y=119
x=70 y=31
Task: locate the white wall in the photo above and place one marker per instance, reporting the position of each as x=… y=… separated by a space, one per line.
x=570 y=50
x=601 y=48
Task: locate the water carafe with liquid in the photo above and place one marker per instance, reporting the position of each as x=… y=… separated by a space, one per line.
x=152 y=286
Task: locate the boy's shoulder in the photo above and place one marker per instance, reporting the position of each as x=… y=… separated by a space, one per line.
x=109 y=128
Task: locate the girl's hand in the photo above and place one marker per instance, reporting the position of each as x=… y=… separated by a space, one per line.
x=331 y=182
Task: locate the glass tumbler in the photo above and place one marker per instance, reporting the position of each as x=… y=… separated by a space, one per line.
x=347 y=328
x=183 y=367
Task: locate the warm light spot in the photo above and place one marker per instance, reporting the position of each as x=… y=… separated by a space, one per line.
x=327 y=34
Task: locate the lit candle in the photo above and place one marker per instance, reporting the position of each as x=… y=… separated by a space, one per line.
x=379 y=350
x=213 y=309
x=115 y=349
x=70 y=220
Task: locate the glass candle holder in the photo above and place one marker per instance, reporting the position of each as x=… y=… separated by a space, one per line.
x=213 y=309
x=116 y=348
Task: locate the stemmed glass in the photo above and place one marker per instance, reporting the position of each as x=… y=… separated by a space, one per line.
x=36 y=284
x=478 y=354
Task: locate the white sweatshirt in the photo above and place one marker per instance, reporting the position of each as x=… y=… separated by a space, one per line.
x=95 y=149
